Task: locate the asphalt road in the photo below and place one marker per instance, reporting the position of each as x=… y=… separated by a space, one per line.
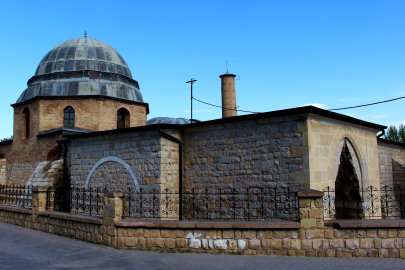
x=22 y=248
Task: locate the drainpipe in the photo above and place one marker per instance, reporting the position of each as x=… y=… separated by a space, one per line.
x=174 y=139
x=382 y=134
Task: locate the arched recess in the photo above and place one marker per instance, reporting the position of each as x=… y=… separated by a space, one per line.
x=348 y=183
x=112 y=158
x=25 y=128
x=123 y=118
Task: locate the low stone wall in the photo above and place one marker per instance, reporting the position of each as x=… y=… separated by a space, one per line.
x=309 y=237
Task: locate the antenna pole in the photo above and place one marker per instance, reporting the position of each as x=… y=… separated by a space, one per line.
x=191 y=82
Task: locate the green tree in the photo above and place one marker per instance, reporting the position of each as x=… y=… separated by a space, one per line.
x=396 y=135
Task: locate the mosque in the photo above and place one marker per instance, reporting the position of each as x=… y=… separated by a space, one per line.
x=82 y=121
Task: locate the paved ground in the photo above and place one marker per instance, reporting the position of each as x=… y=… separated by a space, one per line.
x=22 y=248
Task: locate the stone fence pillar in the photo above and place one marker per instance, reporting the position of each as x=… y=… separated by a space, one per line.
x=38 y=199
x=311 y=208
x=114 y=209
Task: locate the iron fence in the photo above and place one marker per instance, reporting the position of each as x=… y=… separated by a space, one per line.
x=84 y=201
x=16 y=195
x=213 y=204
x=355 y=203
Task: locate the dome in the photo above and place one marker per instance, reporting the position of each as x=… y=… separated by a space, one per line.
x=83 y=67
x=170 y=120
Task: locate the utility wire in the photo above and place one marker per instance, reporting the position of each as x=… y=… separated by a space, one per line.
x=329 y=110
x=366 y=104
x=222 y=107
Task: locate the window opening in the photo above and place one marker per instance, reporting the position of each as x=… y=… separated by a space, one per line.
x=69 y=118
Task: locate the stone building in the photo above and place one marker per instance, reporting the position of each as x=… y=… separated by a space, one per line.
x=82 y=111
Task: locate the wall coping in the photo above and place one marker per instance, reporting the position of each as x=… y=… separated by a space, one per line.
x=198 y=224
x=310 y=193
x=17 y=209
x=39 y=189
x=369 y=223
x=72 y=217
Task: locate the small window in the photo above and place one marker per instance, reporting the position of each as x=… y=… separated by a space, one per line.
x=122 y=118
x=69 y=118
x=26 y=124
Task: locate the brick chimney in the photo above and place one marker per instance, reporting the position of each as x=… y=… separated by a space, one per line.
x=228 y=95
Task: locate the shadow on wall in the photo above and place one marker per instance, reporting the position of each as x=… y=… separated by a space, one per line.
x=398 y=172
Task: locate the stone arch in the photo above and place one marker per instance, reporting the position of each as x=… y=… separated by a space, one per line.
x=115 y=159
x=346 y=133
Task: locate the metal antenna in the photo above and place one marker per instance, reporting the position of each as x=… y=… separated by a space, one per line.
x=85 y=32
x=191 y=82
x=226 y=66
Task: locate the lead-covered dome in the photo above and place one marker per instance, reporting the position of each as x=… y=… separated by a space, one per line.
x=83 y=67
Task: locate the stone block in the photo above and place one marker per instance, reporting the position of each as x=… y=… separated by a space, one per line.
x=286 y=243
x=308 y=223
x=377 y=242
x=361 y=234
x=181 y=243
x=314 y=234
x=401 y=233
x=336 y=243
x=394 y=253
x=276 y=244
x=228 y=234
x=131 y=241
x=248 y=234
x=348 y=234
x=170 y=243
x=306 y=244
x=383 y=253
x=269 y=234
x=344 y=253
x=279 y=234
x=372 y=233
x=373 y=253
x=177 y=233
x=329 y=233
x=352 y=244
x=154 y=233
x=392 y=233
x=330 y=253
x=266 y=244
x=316 y=213
x=311 y=253
x=367 y=243
x=316 y=243
x=382 y=233
x=360 y=253
x=303 y=203
x=166 y=233
x=325 y=244
x=388 y=243
x=233 y=244
x=254 y=244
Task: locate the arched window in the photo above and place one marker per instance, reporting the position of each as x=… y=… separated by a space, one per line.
x=122 y=118
x=69 y=118
x=26 y=123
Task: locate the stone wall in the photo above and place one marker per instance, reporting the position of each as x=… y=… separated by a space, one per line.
x=152 y=159
x=391 y=163
x=242 y=154
x=47 y=173
x=20 y=173
x=324 y=135
x=310 y=237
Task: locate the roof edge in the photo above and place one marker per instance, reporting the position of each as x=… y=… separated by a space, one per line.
x=273 y=114
x=390 y=142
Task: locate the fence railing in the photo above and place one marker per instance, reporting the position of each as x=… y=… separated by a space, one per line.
x=16 y=195
x=354 y=203
x=83 y=201
x=216 y=204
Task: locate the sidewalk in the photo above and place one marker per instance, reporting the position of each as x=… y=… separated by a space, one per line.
x=22 y=248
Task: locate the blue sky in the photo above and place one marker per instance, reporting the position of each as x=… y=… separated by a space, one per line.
x=287 y=53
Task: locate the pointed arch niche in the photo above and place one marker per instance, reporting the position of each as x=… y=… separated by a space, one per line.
x=348 y=181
